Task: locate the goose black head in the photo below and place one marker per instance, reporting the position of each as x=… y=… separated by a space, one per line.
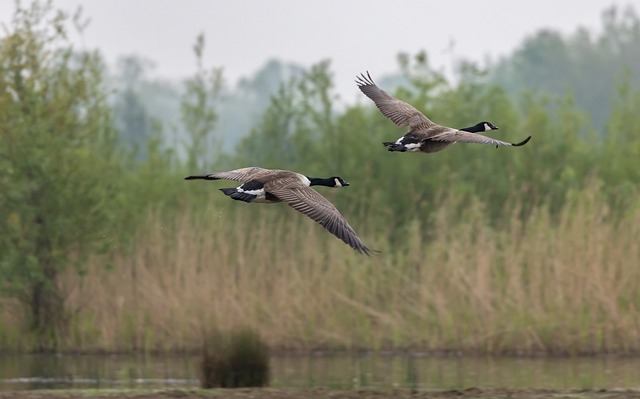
x=480 y=127
x=489 y=126
x=339 y=182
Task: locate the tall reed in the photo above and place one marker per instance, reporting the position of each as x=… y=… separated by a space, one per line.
x=563 y=284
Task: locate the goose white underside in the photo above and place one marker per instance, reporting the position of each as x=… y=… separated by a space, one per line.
x=260 y=194
x=413 y=147
x=410 y=147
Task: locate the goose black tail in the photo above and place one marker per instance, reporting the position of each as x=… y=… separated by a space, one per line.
x=391 y=146
x=238 y=195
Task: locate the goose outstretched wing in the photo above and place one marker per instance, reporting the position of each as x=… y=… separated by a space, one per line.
x=313 y=205
x=241 y=175
x=460 y=136
x=398 y=111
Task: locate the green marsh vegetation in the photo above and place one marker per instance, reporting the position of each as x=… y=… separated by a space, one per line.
x=102 y=249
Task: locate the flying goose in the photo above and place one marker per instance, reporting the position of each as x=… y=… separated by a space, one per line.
x=272 y=186
x=423 y=134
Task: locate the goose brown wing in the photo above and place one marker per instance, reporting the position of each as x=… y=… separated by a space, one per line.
x=453 y=136
x=313 y=205
x=398 y=111
x=241 y=175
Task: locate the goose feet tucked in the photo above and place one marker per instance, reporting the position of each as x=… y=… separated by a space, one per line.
x=404 y=144
x=391 y=146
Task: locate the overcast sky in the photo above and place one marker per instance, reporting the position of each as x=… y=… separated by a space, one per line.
x=356 y=35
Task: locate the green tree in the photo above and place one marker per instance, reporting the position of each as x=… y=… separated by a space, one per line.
x=132 y=119
x=269 y=144
x=58 y=161
x=585 y=64
x=198 y=112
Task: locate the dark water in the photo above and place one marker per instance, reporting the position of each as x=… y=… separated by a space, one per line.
x=22 y=372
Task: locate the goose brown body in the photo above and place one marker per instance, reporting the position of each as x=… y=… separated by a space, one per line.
x=274 y=185
x=424 y=135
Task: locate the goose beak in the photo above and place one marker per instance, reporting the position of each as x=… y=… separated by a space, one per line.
x=345 y=184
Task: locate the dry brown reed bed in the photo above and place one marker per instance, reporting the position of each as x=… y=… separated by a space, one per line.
x=563 y=284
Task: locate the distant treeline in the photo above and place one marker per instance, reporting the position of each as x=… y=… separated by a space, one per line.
x=103 y=246
x=591 y=67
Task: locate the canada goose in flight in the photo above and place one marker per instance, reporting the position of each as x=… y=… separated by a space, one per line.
x=423 y=134
x=272 y=185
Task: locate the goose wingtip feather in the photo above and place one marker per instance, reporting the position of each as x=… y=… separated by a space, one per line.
x=523 y=142
x=202 y=177
x=364 y=80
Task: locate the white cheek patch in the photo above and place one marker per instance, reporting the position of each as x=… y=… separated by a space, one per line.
x=338 y=184
x=487 y=127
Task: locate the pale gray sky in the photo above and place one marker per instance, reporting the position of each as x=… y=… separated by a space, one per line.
x=356 y=35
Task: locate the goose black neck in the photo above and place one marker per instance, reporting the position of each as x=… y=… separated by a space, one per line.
x=474 y=129
x=316 y=181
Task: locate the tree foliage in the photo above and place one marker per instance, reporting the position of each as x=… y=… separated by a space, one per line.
x=198 y=111
x=301 y=130
x=69 y=191
x=58 y=162
x=132 y=119
x=585 y=64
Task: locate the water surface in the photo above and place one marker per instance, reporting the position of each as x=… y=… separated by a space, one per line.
x=24 y=372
